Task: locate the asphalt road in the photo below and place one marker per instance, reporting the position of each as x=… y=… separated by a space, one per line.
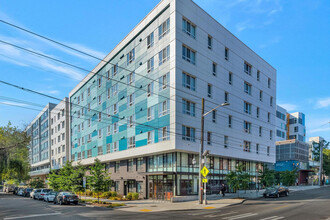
x=303 y=205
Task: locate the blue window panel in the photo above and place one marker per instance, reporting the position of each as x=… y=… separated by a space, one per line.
x=108 y=139
x=122 y=127
x=122 y=107
x=122 y=93
x=141 y=143
x=123 y=144
x=75 y=145
x=115 y=119
x=94 y=117
x=164 y=121
x=104 y=106
x=94 y=152
x=94 y=133
x=156 y=133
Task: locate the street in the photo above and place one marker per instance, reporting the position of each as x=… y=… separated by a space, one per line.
x=309 y=204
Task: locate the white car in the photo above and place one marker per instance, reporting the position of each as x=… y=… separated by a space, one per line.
x=34 y=193
x=50 y=196
x=20 y=192
x=40 y=195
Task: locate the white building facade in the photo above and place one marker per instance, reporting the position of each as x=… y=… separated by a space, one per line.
x=60 y=139
x=297 y=129
x=281 y=123
x=141 y=110
x=39 y=147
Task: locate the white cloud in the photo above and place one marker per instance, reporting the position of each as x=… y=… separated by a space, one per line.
x=323 y=103
x=289 y=107
x=317 y=130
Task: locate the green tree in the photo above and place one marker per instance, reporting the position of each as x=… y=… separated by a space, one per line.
x=238 y=179
x=267 y=177
x=326 y=161
x=14 y=154
x=99 y=178
x=288 y=178
x=54 y=180
x=77 y=178
x=37 y=183
x=65 y=177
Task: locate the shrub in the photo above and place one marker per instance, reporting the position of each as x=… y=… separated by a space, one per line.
x=113 y=194
x=96 y=195
x=130 y=196
x=94 y=201
x=89 y=193
x=135 y=196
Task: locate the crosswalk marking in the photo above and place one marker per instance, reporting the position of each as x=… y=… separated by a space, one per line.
x=272 y=218
x=241 y=216
x=219 y=215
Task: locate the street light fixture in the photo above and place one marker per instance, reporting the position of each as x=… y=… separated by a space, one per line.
x=200 y=191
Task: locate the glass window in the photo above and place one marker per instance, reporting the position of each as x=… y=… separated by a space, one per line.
x=150 y=40
x=188 y=107
x=226 y=53
x=164 y=55
x=247 y=146
x=150 y=65
x=247 y=88
x=163 y=29
x=188 y=133
x=130 y=56
x=189 y=28
x=209 y=42
x=188 y=54
x=188 y=81
x=247 y=68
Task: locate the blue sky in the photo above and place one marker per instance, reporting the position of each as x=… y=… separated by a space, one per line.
x=293 y=36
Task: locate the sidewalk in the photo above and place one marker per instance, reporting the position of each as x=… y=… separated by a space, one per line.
x=158 y=206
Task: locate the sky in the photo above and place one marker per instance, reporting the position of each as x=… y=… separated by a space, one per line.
x=293 y=36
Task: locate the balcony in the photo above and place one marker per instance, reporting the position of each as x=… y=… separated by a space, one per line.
x=39 y=172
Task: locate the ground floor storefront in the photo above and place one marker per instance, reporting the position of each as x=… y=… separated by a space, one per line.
x=163 y=176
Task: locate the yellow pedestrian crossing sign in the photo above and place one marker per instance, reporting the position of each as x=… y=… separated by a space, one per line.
x=204 y=171
x=204 y=180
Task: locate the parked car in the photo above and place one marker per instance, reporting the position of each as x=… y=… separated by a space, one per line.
x=27 y=192
x=50 y=196
x=15 y=190
x=66 y=198
x=276 y=191
x=20 y=192
x=40 y=195
x=9 y=188
x=34 y=193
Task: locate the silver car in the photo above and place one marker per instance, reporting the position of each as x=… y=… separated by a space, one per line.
x=34 y=193
x=40 y=195
x=50 y=196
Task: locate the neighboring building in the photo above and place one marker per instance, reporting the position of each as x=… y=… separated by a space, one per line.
x=281 y=123
x=293 y=154
x=312 y=141
x=296 y=128
x=39 y=147
x=290 y=125
x=60 y=139
x=141 y=111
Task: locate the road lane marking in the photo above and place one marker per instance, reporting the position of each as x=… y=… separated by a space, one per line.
x=272 y=218
x=213 y=216
x=241 y=216
x=281 y=207
x=32 y=216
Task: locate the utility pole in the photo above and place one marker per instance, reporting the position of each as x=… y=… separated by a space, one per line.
x=200 y=191
x=321 y=162
x=201 y=150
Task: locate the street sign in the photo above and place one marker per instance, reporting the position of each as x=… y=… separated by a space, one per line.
x=204 y=171
x=84 y=182
x=204 y=180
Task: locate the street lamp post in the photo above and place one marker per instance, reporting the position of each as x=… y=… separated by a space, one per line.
x=201 y=149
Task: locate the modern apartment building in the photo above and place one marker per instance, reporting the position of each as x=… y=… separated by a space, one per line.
x=60 y=139
x=139 y=112
x=296 y=127
x=39 y=147
x=281 y=123
x=290 y=125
